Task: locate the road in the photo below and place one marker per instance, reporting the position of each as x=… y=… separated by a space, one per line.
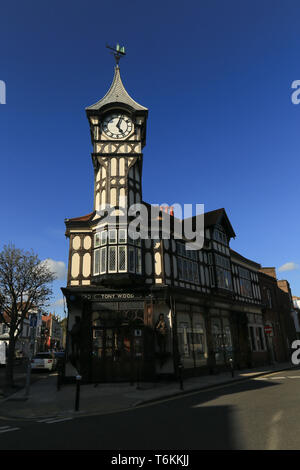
x=262 y=413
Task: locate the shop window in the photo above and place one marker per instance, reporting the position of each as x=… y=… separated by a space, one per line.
x=257 y=338
x=183 y=343
x=199 y=341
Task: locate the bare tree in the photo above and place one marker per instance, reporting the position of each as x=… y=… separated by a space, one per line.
x=24 y=285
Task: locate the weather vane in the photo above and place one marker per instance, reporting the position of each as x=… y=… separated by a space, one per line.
x=118 y=52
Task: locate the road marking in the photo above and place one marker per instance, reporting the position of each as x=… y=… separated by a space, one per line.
x=7 y=429
x=46 y=419
x=269 y=378
x=294 y=376
x=54 y=420
x=273 y=440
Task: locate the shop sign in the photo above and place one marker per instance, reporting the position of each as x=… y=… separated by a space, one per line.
x=109 y=297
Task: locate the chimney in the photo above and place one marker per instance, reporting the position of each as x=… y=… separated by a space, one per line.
x=167 y=209
x=269 y=271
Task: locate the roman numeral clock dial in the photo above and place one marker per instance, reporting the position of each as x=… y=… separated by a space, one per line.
x=117 y=125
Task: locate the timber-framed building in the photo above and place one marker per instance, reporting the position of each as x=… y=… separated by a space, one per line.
x=141 y=307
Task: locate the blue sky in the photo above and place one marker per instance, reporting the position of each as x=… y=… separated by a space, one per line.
x=222 y=129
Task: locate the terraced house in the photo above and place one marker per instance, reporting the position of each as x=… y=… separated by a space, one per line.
x=141 y=307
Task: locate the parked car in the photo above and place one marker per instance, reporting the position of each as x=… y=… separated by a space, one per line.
x=59 y=354
x=44 y=361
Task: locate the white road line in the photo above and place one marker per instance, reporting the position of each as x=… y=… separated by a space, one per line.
x=294 y=376
x=8 y=430
x=57 y=420
x=4 y=427
x=275 y=378
x=273 y=440
x=46 y=419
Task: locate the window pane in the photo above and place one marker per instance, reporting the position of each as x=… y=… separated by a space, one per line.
x=122 y=236
x=246 y=289
x=97 y=240
x=103 y=261
x=252 y=339
x=183 y=340
x=179 y=266
x=202 y=275
x=103 y=238
x=138 y=261
x=190 y=270
x=112 y=236
x=131 y=259
x=122 y=258
x=112 y=259
x=195 y=273
x=185 y=269
x=223 y=278
x=96 y=261
x=212 y=276
x=207 y=280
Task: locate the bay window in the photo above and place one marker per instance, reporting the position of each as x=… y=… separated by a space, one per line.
x=115 y=252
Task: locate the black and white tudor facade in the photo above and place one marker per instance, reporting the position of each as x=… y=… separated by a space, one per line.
x=119 y=288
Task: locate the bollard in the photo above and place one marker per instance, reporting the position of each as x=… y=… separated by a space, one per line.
x=78 y=380
x=231 y=366
x=59 y=375
x=138 y=371
x=180 y=367
x=58 y=380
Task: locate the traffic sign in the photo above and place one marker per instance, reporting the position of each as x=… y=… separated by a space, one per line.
x=268 y=329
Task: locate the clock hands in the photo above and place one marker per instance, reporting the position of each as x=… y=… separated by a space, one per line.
x=118 y=125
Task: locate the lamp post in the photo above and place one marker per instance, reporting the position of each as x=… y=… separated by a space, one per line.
x=33 y=324
x=180 y=369
x=77 y=396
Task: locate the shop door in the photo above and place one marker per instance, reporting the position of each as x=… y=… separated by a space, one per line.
x=113 y=355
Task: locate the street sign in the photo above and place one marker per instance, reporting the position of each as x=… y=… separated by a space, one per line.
x=268 y=329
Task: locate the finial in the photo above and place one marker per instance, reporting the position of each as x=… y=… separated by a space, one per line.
x=118 y=52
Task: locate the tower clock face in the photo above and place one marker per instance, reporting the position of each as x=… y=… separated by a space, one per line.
x=117 y=125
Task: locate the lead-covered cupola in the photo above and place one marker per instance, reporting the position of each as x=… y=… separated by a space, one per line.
x=117 y=101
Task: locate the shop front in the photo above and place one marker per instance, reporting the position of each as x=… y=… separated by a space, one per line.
x=110 y=338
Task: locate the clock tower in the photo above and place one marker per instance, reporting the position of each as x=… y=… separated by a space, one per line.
x=118 y=133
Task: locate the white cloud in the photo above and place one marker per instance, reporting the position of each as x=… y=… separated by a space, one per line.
x=288 y=267
x=57 y=267
x=58 y=303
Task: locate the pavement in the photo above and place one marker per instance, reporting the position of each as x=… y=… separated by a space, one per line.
x=46 y=401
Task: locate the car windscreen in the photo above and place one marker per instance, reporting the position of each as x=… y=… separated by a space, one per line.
x=43 y=356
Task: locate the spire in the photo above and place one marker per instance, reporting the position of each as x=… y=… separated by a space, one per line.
x=116 y=94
